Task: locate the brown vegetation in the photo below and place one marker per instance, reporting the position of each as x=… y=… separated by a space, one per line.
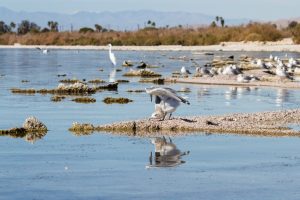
x=153 y=36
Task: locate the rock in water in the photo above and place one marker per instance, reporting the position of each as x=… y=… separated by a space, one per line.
x=32 y=123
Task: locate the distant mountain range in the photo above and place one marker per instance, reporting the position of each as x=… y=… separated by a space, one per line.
x=123 y=20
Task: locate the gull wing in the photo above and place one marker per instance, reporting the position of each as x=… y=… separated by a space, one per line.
x=167 y=92
x=181 y=98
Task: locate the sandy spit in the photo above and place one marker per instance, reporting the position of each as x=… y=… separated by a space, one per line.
x=233 y=82
x=259 y=124
x=284 y=45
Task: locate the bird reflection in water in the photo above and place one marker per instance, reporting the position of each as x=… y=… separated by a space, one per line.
x=282 y=96
x=166 y=154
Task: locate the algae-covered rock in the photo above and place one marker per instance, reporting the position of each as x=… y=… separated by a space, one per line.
x=111 y=100
x=96 y=81
x=137 y=91
x=57 y=98
x=142 y=73
x=33 y=124
x=81 y=129
x=70 y=81
x=84 y=100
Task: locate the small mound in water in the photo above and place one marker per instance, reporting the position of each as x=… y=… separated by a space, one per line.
x=23 y=91
x=57 y=98
x=111 y=100
x=142 y=73
x=32 y=130
x=33 y=124
x=67 y=89
x=81 y=129
x=70 y=81
x=137 y=91
x=96 y=81
x=122 y=81
x=110 y=87
x=84 y=100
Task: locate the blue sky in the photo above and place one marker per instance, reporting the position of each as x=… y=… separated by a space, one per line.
x=253 y=9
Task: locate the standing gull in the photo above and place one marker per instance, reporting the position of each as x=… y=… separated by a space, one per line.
x=166 y=101
x=112 y=58
x=184 y=71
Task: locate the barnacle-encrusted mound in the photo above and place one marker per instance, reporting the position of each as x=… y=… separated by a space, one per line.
x=76 y=88
x=33 y=124
x=57 y=98
x=258 y=124
x=84 y=100
x=121 y=100
x=142 y=73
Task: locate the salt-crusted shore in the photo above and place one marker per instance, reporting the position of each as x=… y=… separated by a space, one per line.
x=284 y=45
x=260 y=124
x=233 y=82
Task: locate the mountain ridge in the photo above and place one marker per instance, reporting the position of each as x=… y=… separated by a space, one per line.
x=120 y=20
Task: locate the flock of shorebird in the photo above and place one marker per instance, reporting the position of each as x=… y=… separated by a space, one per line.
x=272 y=65
x=167 y=100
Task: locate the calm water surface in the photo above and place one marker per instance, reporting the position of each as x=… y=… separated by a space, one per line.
x=102 y=166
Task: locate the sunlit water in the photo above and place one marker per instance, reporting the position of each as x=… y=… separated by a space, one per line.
x=101 y=166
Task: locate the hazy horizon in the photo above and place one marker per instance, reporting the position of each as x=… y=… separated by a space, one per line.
x=256 y=10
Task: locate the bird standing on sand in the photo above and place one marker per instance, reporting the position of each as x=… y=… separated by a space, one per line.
x=184 y=71
x=112 y=58
x=166 y=101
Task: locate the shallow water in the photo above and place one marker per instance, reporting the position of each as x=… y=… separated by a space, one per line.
x=102 y=166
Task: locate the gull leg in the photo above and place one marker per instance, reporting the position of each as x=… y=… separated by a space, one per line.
x=165 y=114
x=170 y=116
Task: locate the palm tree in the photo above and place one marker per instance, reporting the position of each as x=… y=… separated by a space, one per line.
x=217 y=19
x=98 y=27
x=53 y=26
x=12 y=25
x=222 y=21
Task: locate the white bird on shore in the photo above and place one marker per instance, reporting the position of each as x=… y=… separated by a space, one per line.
x=112 y=58
x=203 y=71
x=166 y=101
x=44 y=51
x=231 y=70
x=184 y=71
x=261 y=64
x=281 y=72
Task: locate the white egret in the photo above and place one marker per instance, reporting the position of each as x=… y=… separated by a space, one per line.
x=112 y=58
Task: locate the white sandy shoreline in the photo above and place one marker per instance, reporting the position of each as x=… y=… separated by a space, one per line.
x=285 y=45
